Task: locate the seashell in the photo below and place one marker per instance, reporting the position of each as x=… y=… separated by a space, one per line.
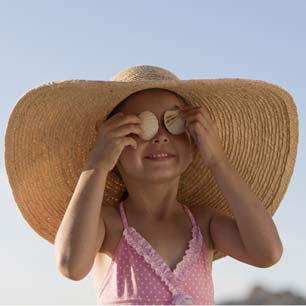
x=174 y=123
x=149 y=125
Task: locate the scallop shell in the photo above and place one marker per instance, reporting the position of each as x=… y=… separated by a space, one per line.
x=149 y=125
x=174 y=122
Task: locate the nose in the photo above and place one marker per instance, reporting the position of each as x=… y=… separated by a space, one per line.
x=162 y=136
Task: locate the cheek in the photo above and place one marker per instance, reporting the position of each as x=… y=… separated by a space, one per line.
x=132 y=156
x=184 y=145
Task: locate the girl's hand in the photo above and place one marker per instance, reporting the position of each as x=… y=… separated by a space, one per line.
x=113 y=137
x=205 y=134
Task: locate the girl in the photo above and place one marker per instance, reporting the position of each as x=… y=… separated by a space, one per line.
x=151 y=235
x=152 y=248
x=150 y=214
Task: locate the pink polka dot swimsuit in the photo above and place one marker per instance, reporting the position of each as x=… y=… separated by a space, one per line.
x=139 y=276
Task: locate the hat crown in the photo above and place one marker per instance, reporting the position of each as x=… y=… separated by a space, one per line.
x=144 y=73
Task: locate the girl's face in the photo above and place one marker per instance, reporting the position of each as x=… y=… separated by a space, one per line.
x=132 y=163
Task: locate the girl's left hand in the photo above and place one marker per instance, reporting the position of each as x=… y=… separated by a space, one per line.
x=204 y=131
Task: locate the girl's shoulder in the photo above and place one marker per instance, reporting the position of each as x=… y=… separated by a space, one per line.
x=203 y=215
x=111 y=216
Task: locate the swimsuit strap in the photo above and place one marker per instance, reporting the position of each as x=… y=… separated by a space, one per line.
x=193 y=221
x=123 y=216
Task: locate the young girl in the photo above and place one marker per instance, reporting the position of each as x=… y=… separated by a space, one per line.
x=160 y=196
x=151 y=248
x=151 y=236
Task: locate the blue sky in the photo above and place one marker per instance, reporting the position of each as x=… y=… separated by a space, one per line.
x=44 y=41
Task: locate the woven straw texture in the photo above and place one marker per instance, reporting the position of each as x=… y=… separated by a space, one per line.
x=51 y=131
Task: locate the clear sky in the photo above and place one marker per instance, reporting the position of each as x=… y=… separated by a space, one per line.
x=44 y=41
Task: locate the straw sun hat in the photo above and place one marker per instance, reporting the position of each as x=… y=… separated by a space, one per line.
x=52 y=129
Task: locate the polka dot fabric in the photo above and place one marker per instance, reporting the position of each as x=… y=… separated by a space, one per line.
x=139 y=276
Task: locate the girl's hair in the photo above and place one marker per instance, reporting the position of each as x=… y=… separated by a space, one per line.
x=118 y=108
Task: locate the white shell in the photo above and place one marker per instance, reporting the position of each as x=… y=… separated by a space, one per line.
x=174 y=122
x=149 y=125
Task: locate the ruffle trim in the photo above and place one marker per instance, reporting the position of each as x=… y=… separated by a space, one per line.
x=144 y=249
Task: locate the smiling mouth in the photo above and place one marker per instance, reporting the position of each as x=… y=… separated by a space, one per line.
x=161 y=158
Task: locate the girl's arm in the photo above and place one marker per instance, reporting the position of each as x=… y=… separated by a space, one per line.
x=82 y=230
x=252 y=237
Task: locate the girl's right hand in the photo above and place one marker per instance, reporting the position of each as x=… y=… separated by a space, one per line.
x=112 y=139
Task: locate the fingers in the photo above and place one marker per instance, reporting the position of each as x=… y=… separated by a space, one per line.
x=197 y=113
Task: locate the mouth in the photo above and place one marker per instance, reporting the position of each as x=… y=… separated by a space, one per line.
x=160 y=158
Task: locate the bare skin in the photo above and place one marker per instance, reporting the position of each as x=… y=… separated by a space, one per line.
x=152 y=186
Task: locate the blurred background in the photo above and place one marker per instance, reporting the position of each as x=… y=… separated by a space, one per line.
x=44 y=41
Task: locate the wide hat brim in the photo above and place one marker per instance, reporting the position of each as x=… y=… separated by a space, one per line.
x=51 y=131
